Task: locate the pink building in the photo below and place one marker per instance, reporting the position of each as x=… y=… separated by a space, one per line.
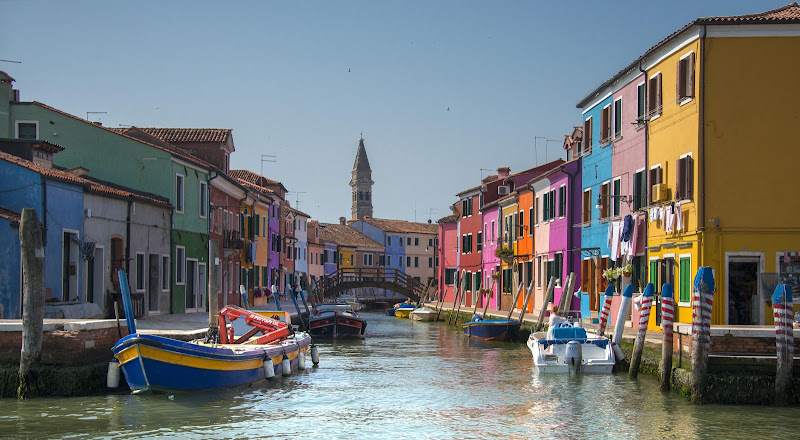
x=449 y=252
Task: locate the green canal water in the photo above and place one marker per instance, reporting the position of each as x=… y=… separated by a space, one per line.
x=405 y=380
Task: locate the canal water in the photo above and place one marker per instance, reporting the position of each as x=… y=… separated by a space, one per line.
x=405 y=380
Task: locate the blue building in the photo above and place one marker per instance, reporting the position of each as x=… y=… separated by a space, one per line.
x=57 y=197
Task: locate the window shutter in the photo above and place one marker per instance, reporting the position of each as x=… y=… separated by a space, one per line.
x=690 y=76
x=659 y=175
x=689 y=178
x=658 y=94
x=679 y=178
x=680 y=81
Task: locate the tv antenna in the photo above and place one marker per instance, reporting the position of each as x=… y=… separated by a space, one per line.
x=296 y=197
x=266 y=158
x=94 y=113
x=10 y=61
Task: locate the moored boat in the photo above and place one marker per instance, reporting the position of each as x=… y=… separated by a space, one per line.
x=403 y=310
x=423 y=314
x=491 y=329
x=336 y=321
x=570 y=349
x=156 y=363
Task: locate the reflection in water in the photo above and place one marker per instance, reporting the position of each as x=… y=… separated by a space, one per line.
x=406 y=380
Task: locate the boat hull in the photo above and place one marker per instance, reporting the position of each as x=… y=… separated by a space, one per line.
x=492 y=329
x=155 y=363
x=549 y=356
x=423 y=314
x=402 y=312
x=337 y=326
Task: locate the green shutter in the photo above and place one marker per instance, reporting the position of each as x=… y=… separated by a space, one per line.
x=654 y=273
x=256 y=275
x=685 y=280
x=258 y=224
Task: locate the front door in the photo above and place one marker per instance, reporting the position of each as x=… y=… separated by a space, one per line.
x=191 y=283
x=153 y=284
x=202 y=286
x=743 y=300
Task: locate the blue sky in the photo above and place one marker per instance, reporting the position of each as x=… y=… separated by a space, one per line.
x=301 y=80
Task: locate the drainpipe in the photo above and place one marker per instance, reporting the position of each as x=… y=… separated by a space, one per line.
x=128 y=238
x=646 y=164
x=702 y=178
x=171 y=290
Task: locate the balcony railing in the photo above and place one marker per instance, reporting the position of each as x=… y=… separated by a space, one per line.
x=231 y=240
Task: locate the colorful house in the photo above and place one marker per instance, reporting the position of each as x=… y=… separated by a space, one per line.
x=226 y=196
x=316 y=257
x=449 y=255
x=490 y=263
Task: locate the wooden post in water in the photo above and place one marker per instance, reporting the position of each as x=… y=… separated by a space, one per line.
x=551 y=285
x=514 y=304
x=565 y=302
x=609 y=295
x=491 y=294
x=702 y=301
x=667 y=318
x=644 y=321
x=213 y=297
x=457 y=293
x=31 y=244
x=528 y=295
x=784 y=340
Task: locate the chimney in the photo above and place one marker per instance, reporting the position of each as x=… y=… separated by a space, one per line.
x=14 y=95
x=342 y=221
x=503 y=172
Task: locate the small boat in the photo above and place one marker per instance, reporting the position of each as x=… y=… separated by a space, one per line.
x=403 y=310
x=423 y=314
x=160 y=364
x=355 y=304
x=336 y=321
x=569 y=349
x=491 y=329
x=390 y=311
x=382 y=305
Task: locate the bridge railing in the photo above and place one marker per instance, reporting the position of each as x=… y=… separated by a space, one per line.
x=374 y=275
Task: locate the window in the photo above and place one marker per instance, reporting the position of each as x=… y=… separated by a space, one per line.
x=408 y=261
x=479 y=242
x=203 y=193
x=530 y=221
x=586 y=212
x=521 y=222
x=430 y=242
x=430 y=261
x=684 y=175
x=416 y=241
x=655 y=179
x=539 y=270
x=367 y=259
x=400 y=239
x=562 y=201
x=256 y=274
x=140 y=270
x=28 y=130
x=416 y=261
x=604 y=199
x=165 y=273
x=477 y=280
x=180 y=265
x=408 y=241
x=587 y=134
x=388 y=240
x=506 y=280
x=493 y=236
x=641 y=103
x=616 y=189
x=257 y=220
x=388 y=260
x=466 y=207
x=605 y=125
x=639 y=190
x=618 y=118
x=685 y=83
x=264 y=226
x=654 y=96
x=449 y=275
x=685 y=280
x=536 y=211
x=549 y=208
x=179 y=193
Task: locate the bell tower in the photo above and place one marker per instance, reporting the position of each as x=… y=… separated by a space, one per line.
x=361 y=184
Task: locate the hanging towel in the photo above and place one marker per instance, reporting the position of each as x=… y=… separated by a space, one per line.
x=627 y=228
x=639 y=237
x=615 y=240
x=678 y=217
x=610 y=234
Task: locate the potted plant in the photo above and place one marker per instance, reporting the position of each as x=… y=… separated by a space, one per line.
x=496 y=275
x=505 y=254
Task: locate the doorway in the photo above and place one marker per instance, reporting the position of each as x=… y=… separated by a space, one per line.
x=191 y=283
x=202 y=284
x=743 y=299
x=94 y=276
x=153 y=282
x=69 y=271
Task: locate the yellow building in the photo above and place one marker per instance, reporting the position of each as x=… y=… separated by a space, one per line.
x=720 y=100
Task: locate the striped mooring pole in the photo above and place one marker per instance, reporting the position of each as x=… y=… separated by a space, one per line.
x=784 y=339
x=702 y=302
x=667 y=319
x=601 y=329
x=644 y=321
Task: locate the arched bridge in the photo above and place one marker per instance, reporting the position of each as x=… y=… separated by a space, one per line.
x=389 y=279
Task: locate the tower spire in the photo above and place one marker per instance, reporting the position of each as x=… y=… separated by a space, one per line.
x=361 y=183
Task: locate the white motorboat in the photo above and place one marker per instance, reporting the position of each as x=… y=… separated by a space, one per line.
x=569 y=349
x=423 y=314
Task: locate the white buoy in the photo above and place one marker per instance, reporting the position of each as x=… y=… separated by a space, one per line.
x=314 y=355
x=286 y=366
x=574 y=356
x=269 y=368
x=301 y=361
x=112 y=379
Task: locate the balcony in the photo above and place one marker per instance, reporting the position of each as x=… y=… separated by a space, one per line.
x=231 y=240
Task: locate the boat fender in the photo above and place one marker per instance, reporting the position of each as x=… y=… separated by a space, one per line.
x=112 y=379
x=477 y=318
x=286 y=366
x=301 y=361
x=269 y=368
x=314 y=354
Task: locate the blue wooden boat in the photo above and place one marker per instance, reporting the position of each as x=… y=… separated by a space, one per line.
x=491 y=329
x=156 y=363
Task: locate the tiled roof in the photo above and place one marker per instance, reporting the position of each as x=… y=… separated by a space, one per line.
x=254 y=187
x=297 y=212
x=185 y=156
x=173 y=135
x=402 y=226
x=453 y=218
x=783 y=15
x=251 y=177
x=344 y=235
x=10 y=215
x=91 y=185
x=539 y=168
